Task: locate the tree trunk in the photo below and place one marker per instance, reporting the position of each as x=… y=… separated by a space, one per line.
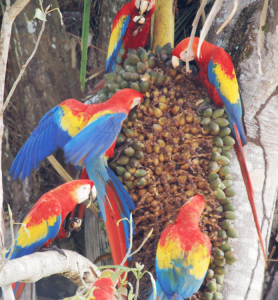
x=48 y=80
x=259 y=93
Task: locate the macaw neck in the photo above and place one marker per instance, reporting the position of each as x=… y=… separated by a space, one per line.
x=205 y=53
x=189 y=219
x=113 y=104
x=66 y=200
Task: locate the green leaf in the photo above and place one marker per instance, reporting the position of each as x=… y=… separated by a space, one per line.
x=39 y=15
x=130 y=294
x=85 y=34
x=10 y=212
x=41 y=1
x=116 y=267
x=116 y=275
x=150 y=233
x=123 y=219
x=4 y=252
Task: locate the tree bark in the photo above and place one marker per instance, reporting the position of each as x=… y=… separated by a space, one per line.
x=9 y=16
x=260 y=95
x=49 y=79
x=164 y=23
x=33 y=267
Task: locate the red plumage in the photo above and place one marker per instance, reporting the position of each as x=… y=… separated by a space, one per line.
x=132 y=40
x=216 y=72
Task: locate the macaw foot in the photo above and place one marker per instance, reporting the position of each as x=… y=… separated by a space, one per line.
x=119 y=150
x=202 y=108
x=73 y=224
x=54 y=248
x=140 y=23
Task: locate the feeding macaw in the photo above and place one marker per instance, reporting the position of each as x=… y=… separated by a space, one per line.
x=46 y=220
x=183 y=254
x=217 y=73
x=87 y=134
x=130 y=30
x=125 y=33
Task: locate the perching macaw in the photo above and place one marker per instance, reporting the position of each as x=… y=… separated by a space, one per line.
x=87 y=134
x=183 y=254
x=217 y=73
x=46 y=220
x=130 y=30
x=125 y=33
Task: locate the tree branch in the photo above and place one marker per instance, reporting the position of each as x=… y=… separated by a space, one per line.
x=31 y=268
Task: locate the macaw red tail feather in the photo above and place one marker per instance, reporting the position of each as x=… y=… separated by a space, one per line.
x=18 y=288
x=248 y=184
x=115 y=232
x=98 y=86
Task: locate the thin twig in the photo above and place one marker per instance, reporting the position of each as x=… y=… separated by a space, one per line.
x=81 y=277
x=23 y=70
x=261 y=35
x=94 y=75
x=213 y=12
x=4 y=261
x=79 y=38
x=136 y=290
x=59 y=169
x=229 y=18
x=194 y=28
x=271 y=254
x=130 y=241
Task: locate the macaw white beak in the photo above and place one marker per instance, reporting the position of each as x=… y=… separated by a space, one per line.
x=143 y=7
x=175 y=61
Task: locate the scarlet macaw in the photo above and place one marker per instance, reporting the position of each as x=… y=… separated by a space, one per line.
x=45 y=221
x=87 y=134
x=183 y=254
x=125 y=33
x=217 y=73
x=130 y=30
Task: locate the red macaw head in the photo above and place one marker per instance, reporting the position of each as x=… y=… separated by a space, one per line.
x=126 y=99
x=82 y=191
x=181 y=50
x=191 y=211
x=144 y=6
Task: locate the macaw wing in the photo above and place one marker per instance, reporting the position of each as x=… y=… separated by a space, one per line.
x=41 y=224
x=221 y=74
x=181 y=271
x=116 y=40
x=54 y=130
x=95 y=138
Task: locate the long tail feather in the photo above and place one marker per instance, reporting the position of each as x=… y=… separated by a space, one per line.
x=115 y=204
x=115 y=232
x=248 y=184
x=18 y=288
x=98 y=86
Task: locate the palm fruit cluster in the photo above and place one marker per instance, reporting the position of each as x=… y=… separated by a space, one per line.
x=168 y=151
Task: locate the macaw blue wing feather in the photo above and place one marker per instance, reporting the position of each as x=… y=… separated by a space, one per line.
x=44 y=140
x=95 y=138
x=228 y=90
x=116 y=41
